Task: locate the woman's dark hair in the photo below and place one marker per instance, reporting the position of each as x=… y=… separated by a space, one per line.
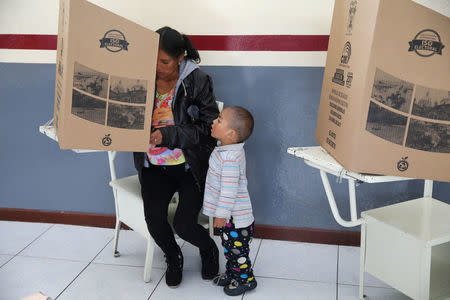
x=174 y=43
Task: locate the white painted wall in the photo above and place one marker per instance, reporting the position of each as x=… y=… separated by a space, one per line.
x=200 y=17
x=195 y=17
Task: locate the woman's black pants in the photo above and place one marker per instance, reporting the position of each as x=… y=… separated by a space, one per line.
x=158 y=184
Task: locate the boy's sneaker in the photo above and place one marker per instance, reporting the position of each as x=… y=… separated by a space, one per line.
x=222 y=279
x=235 y=288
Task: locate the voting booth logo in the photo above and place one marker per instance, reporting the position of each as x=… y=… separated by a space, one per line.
x=114 y=41
x=106 y=141
x=402 y=164
x=426 y=43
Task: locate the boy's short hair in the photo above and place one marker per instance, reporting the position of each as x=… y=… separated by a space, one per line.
x=241 y=121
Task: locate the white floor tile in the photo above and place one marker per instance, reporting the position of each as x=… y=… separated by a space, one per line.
x=70 y=242
x=350 y=292
x=193 y=262
x=23 y=276
x=283 y=289
x=294 y=260
x=15 y=236
x=132 y=247
x=191 y=288
x=4 y=259
x=348 y=269
x=51 y=257
x=111 y=282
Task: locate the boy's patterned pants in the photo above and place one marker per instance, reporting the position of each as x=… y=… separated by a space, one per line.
x=235 y=242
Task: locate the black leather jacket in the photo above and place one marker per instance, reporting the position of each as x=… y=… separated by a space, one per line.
x=194 y=110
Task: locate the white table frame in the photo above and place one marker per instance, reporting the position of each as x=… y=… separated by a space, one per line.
x=318 y=158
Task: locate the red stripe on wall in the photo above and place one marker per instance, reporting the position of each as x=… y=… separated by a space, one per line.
x=261 y=42
x=201 y=42
x=28 y=41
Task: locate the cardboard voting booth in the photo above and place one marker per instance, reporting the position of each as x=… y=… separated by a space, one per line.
x=105 y=79
x=385 y=101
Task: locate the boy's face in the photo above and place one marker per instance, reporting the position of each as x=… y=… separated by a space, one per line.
x=220 y=128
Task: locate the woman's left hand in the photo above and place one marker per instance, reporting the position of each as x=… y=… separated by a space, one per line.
x=156 y=137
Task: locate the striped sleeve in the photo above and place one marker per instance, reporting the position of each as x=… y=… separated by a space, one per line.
x=229 y=187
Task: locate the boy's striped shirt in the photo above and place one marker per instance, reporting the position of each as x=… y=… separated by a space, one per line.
x=226 y=193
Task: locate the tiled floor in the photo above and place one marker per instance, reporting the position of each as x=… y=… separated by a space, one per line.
x=75 y=262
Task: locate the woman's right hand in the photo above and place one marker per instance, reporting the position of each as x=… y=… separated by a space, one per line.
x=156 y=137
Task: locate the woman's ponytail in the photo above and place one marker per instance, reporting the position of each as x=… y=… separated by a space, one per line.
x=191 y=52
x=176 y=44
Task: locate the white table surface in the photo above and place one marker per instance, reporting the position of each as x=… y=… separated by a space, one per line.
x=317 y=157
x=50 y=131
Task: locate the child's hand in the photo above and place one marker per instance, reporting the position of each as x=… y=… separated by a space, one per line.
x=219 y=222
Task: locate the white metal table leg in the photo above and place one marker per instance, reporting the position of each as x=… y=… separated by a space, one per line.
x=352 y=195
x=362 y=261
x=116 y=238
x=428 y=188
x=112 y=170
x=333 y=206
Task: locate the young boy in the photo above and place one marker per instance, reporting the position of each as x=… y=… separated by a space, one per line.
x=227 y=198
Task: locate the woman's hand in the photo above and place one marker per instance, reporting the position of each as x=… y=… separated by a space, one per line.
x=219 y=222
x=156 y=137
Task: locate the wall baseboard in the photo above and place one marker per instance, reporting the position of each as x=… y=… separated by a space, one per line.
x=308 y=235
x=321 y=236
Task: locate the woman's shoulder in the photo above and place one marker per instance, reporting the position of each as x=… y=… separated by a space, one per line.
x=197 y=81
x=198 y=76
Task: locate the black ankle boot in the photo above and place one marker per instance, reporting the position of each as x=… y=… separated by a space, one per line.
x=210 y=262
x=174 y=272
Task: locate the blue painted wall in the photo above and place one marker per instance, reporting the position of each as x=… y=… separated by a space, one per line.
x=36 y=174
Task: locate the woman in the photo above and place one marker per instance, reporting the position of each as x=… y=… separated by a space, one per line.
x=177 y=160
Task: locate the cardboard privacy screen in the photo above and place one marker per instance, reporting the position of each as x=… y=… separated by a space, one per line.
x=385 y=101
x=105 y=79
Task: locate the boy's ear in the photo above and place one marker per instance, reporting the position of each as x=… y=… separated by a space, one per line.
x=233 y=135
